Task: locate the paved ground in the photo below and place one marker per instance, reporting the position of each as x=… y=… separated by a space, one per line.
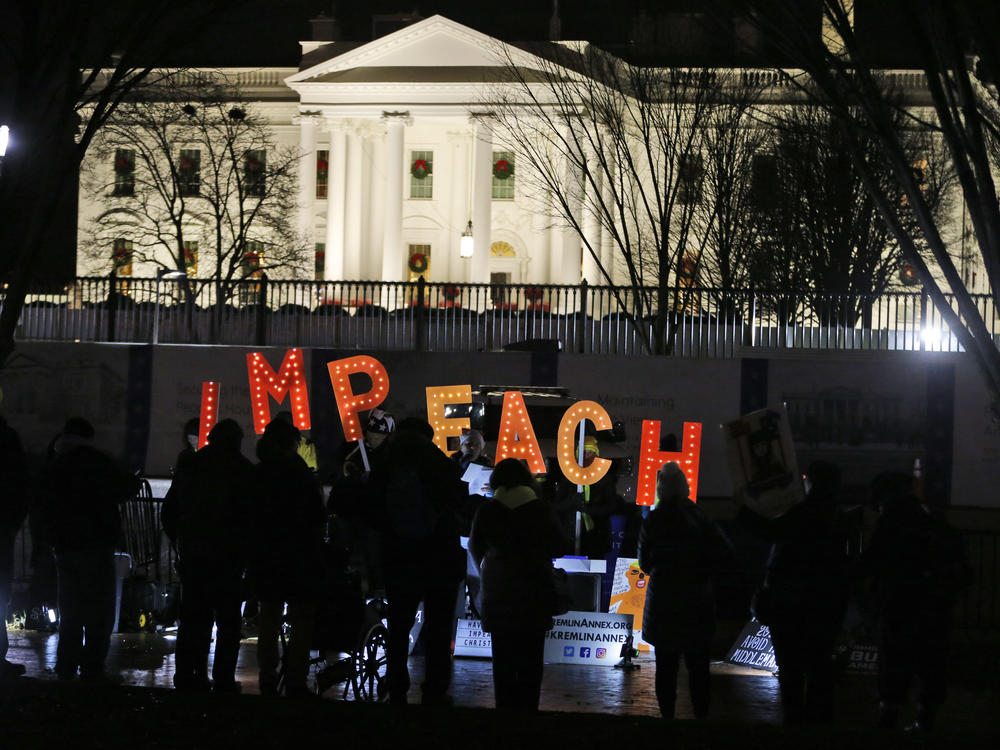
x=740 y=695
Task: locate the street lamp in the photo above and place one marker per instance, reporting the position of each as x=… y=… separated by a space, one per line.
x=4 y=140
x=162 y=274
x=466 y=245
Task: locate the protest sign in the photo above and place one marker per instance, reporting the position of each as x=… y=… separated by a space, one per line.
x=762 y=462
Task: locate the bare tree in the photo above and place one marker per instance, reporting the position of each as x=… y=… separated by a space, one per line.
x=66 y=67
x=625 y=146
x=198 y=184
x=943 y=37
x=821 y=229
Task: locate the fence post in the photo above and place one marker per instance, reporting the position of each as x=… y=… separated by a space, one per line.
x=420 y=321
x=260 y=334
x=923 y=318
x=112 y=304
x=581 y=335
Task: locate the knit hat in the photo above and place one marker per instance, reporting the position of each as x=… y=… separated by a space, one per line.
x=671 y=482
x=381 y=421
x=590 y=445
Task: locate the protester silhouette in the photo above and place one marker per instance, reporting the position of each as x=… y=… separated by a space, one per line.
x=286 y=561
x=79 y=494
x=189 y=438
x=596 y=504
x=13 y=511
x=680 y=548
x=306 y=448
x=416 y=491
x=807 y=576
x=918 y=564
x=514 y=538
x=206 y=516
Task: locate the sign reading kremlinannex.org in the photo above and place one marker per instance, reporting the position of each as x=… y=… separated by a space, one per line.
x=576 y=638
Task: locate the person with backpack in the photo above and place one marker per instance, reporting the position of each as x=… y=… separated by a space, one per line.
x=417 y=490
x=79 y=494
x=919 y=567
x=680 y=548
x=514 y=538
x=206 y=515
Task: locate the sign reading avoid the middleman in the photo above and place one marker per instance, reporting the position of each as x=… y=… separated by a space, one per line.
x=576 y=638
x=753 y=648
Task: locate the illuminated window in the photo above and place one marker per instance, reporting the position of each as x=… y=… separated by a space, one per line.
x=121 y=257
x=191 y=258
x=419 y=262
x=254 y=173
x=319 y=268
x=503 y=176
x=251 y=262
x=421 y=174
x=322 y=173
x=124 y=172
x=189 y=173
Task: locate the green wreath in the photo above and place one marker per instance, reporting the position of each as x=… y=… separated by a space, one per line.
x=420 y=168
x=502 y=169
x=418 y=263
x=908 y=275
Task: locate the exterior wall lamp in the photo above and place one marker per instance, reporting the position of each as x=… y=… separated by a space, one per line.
x=466 y=246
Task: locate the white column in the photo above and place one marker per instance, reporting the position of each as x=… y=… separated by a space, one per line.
x=392 y=240
x=592 y=228
x=307 y=174
x=482 y=197
x=353 y=205
x=608 y=246
x=569 y=237
x=335 y=204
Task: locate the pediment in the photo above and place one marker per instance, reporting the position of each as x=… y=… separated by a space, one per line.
x=434 y=49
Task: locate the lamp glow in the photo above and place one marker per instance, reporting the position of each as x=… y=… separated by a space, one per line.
x=466 y=245
x=5 y=139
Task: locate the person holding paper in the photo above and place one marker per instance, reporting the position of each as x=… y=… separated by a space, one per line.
x=471 y=453
x=680 y=548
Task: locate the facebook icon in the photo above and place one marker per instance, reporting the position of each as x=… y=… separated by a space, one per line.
x=584 y=652
x=567 y=650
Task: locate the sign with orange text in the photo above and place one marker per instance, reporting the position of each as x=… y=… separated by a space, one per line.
x=438 y=397
x=571 y=469
x=350 y=403
x=651 y=460
x=517 y=436
x=289 y=379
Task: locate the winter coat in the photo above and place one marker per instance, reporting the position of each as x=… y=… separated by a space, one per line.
x=918 y=563
x=206 y=513
x=807 y=567
x=514 y=538
x=286 y=557
x=470 y=503
x=604 y=501
x=79 y=495
x=680 y=548
x=416 y=492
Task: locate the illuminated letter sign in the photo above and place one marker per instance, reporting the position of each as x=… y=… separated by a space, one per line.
x=517 y=436
x=437 y=398
x=350 y=403
x=575 y=414
x=209 y=411
x=651 y=460
x=289 y=379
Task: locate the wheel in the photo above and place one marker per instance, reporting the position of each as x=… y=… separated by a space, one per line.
x=370 y=666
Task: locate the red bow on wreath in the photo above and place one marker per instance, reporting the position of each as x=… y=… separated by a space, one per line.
x=321 y=167
x=418 y=263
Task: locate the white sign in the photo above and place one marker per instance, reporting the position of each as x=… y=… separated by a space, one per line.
x=471 y=640
x=576 y=638
x=587 y=638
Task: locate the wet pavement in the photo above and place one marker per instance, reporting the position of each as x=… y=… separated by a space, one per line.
x=739 y=693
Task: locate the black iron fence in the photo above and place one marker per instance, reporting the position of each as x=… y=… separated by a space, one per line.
x=472 y=317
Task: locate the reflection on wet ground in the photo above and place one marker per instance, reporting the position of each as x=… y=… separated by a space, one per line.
x=741 y=694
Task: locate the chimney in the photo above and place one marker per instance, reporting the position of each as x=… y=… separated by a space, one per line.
x=325 y=28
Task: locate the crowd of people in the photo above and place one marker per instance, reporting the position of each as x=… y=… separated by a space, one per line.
x=396 y=510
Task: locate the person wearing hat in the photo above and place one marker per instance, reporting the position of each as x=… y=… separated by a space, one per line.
x=680 y=548
x=79 y=495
